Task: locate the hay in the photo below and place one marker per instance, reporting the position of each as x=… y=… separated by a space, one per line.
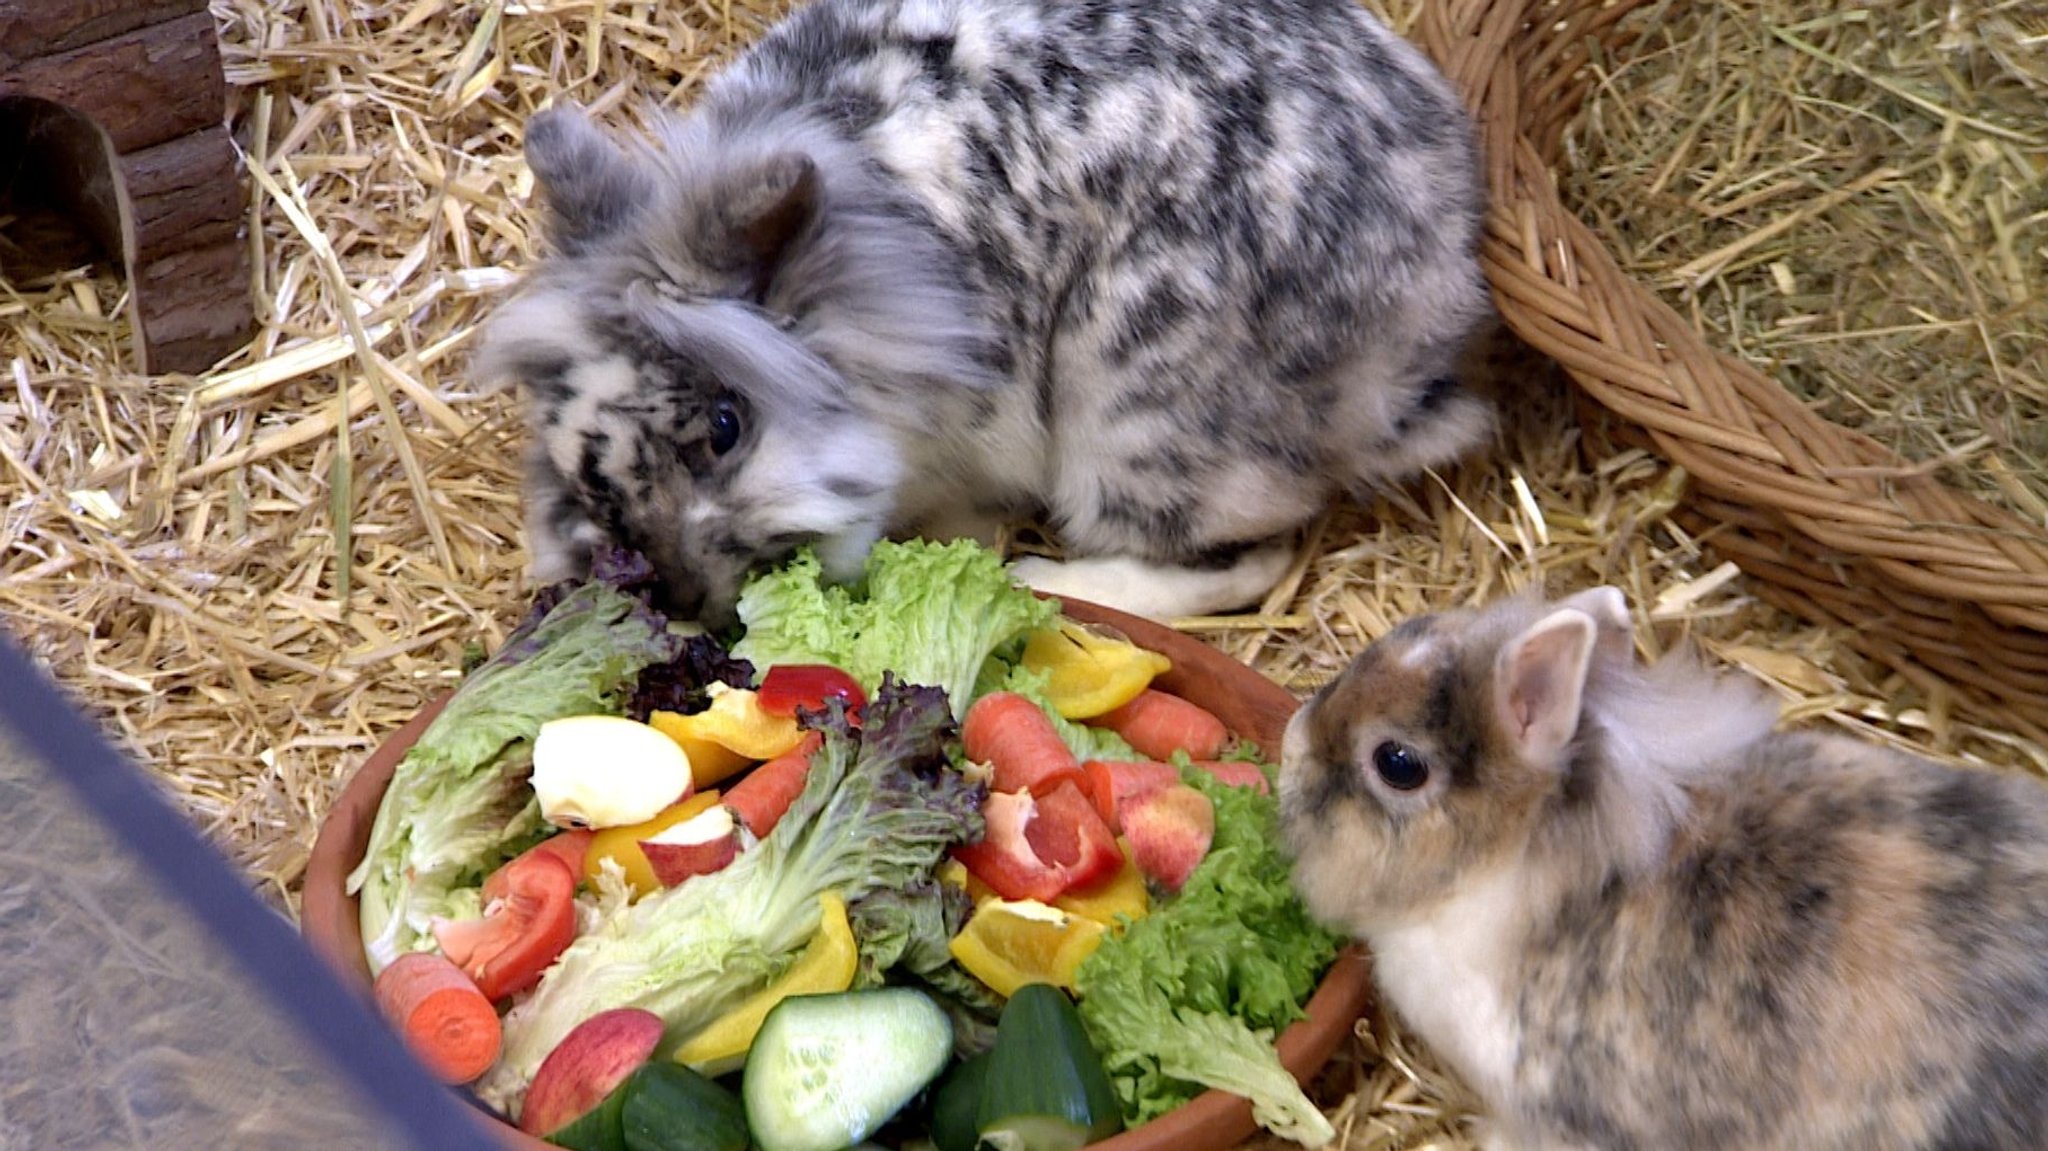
x=1857 y=203
x=174 y=549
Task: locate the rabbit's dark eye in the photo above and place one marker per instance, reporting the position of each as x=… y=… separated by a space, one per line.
x=725 y=425
x=1401 y=766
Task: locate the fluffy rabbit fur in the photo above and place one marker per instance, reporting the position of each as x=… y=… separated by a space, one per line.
x=1168 y=273
x=1631 y=915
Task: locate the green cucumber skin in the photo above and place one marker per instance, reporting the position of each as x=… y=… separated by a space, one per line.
x=599 y=1129
x=669 y=1107
x=956 y=1108
x=827 y=1071
x=1046 y=1087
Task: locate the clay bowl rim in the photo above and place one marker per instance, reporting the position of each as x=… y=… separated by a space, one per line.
x=1248 y=703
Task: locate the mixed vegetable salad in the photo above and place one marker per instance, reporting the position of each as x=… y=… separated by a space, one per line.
x=920 y=858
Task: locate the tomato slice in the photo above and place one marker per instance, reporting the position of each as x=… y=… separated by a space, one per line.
x=568 y=846
x=788 y=686
x=529 y=920
x=1042 y=847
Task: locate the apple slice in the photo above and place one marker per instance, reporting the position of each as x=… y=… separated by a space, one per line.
x=1169 y=831
x=699 y=845
x=601 y=771
x=595 y=1057
x=1111 y=784
x=1236 y=773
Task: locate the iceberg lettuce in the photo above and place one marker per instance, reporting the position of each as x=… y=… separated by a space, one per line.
x=458 y=804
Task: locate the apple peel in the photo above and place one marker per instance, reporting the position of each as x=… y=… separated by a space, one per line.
x=590 y=1061
x=699 y=845
x=1169 y=831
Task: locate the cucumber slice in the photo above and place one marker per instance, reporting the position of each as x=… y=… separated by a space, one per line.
x=660 y=1107
x=956 y=1108
x=826 y=1071
x=669 y=1107
x=1045 y=1088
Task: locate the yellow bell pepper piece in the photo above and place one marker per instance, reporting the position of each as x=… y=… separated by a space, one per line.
x=826 y=965
x=1124 y=894
x=728 y=735
x=710 y=763
x=622 y=844
x=1090 y=671
x=1009 y=943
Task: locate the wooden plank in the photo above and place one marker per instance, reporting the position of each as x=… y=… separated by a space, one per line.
x=144 y=87
x=194 y=306
x=186 y=193
x=31 y=28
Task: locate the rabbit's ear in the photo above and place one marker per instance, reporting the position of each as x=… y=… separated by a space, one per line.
x=1539 y=680
x=759 y=210
x=1608 y=608
x=592 y=188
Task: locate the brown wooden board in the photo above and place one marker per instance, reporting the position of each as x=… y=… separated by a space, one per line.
x=186 y=193
x=144 y=87
x=31 y=28
x=194 y=306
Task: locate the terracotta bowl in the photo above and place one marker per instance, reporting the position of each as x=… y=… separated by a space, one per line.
x=1252 y=706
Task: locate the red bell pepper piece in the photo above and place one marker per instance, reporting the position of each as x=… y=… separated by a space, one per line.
x=529 y=920
x=1040 y=847
x=788 y=686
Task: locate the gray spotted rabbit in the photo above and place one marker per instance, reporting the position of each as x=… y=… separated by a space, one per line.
x=1168 y=274
x=1631 y=914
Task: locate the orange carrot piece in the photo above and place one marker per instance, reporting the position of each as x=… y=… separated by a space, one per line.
x=1158 y=724
x=440 y=1014
x=761 y=797
x=1015 y=737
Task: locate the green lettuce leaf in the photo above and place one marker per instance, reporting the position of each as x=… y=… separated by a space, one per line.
x=1190 y=996
x=932 y=613
x=792 y=615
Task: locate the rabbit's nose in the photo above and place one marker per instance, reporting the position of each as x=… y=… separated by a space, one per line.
x=682 y=599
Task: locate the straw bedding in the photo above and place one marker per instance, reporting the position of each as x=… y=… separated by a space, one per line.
x=253 y=575
x=1856 y=201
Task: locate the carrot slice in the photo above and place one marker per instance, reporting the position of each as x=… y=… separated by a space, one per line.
x=1158 y=724
x=760 y=798
x=440 y=1014
x=1015 y=737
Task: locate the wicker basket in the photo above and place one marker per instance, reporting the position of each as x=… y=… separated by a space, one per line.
x=1949 y=590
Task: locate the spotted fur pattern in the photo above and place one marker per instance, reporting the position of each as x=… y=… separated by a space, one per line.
x=1167 y=273
x=1684 y=929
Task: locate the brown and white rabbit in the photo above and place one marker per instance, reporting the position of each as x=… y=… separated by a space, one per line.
x=1166 y=273
x=1631 y=915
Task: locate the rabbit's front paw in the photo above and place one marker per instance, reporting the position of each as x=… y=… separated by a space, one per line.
x=1494 y=1135
x=1158 y=591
